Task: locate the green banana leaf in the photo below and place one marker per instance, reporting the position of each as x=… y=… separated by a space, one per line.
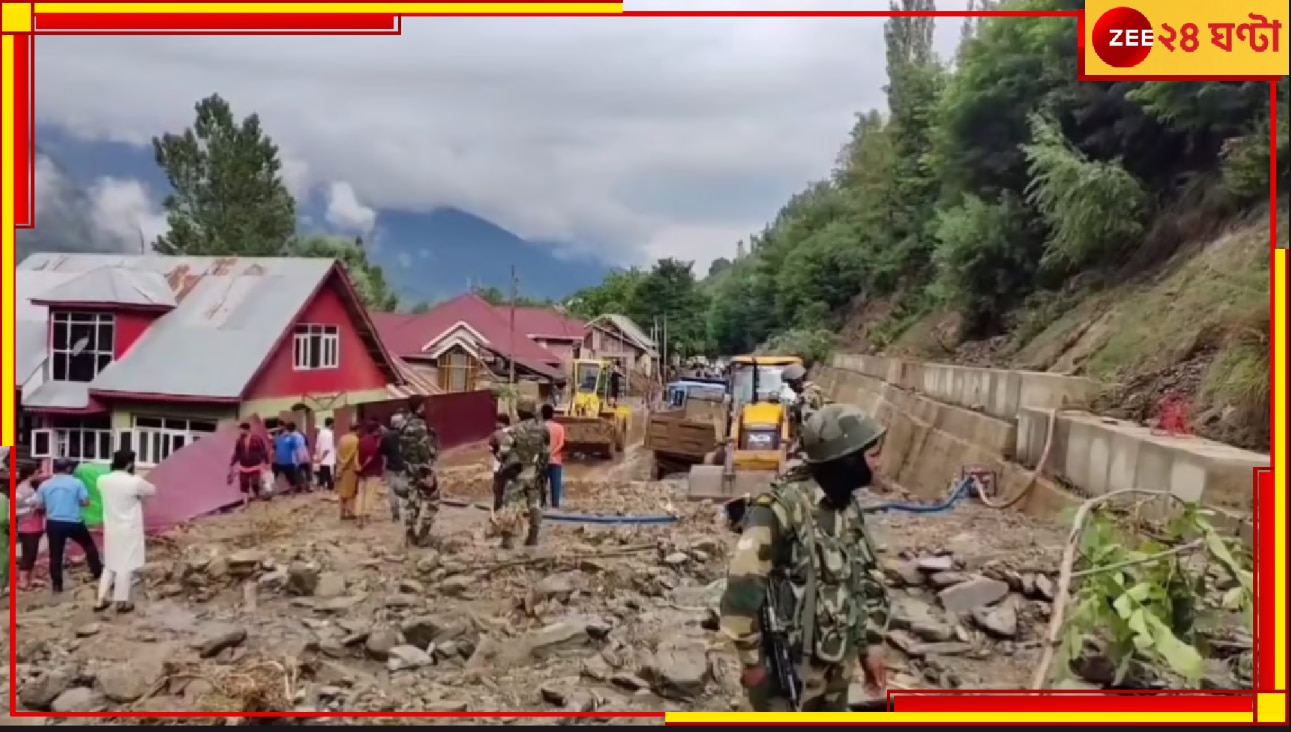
x=89 y=474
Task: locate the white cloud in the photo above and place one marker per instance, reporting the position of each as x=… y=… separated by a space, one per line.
x=345 y=212
x=108 y=216
x=295 y=176
x=687 y=242
x=622 y=136
x=124 y=209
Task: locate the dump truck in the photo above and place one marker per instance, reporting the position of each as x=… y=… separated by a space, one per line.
x=689 y=427
x=593 y=427
x=756 y=436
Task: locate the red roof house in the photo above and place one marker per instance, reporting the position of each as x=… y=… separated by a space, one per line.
x=152 y=351
x=466 y=338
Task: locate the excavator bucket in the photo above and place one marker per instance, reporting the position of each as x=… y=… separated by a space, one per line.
x=590 y=435
x=718 y=483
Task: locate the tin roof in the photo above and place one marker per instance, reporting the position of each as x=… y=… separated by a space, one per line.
x=629 y=329
x=229 y=314
x=410 y=335
x=537 y=322
x=115 y=286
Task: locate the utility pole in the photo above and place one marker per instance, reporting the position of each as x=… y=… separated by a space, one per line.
x=654 y=338
x=511 y=359
x=663 y=350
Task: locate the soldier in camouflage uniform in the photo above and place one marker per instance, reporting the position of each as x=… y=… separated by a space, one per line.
x=806 y=538
x=810 y=398
x=419 y=447
x=524 y=451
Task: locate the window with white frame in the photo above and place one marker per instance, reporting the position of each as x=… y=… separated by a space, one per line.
x=317 y=347
x=87 y=440
x=80 y=345
x=157 y=438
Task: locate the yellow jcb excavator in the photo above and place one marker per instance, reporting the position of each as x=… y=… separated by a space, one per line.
x=757 y=430
x=592 y=426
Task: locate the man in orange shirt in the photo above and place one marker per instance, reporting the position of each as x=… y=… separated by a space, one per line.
x=556 y=466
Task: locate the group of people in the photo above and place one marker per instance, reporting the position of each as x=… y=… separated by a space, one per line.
x=284 y=458
x=805 y=562
x=52 y=509
x=398 y=457
x=528 y=470
x=804 y=549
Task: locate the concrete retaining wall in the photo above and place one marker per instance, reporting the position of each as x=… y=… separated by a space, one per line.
x=929 y=443
x=998 y=392
x=941 y=417
x=1100 y=455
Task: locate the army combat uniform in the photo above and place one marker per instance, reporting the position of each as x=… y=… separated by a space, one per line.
x=809 y=399
x=418 y=445
x=524 y=451
x=834 y=608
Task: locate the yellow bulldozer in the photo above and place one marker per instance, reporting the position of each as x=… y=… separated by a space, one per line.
x=757 y=431
x=593 y=426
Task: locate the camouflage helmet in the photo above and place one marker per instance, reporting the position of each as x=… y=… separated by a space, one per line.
x=793 y=372
x=526 y=405
x=838 y=430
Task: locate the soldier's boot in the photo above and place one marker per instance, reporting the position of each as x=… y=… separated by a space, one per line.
x=508 y=541
x=535 y=524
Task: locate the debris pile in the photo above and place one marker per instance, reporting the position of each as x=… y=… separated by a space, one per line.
x=940 y=610
x=318 y=615
x=321 y=616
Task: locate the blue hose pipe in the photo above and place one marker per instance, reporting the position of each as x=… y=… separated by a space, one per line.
x=962 y=491
x=575 y=518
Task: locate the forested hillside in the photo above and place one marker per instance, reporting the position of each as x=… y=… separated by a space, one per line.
x=995 y=195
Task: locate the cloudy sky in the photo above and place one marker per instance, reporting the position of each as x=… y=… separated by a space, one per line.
x=646 y=136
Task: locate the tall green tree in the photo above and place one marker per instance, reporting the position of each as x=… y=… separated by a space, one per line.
x=227 y=194
x=914 y=83
x=615 y=294
x=669 y=291
x=495 y=296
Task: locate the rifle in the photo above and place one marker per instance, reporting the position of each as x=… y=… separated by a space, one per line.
x=776 y=650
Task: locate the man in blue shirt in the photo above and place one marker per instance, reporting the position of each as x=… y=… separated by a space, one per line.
x=288 y=448
x=61 y=498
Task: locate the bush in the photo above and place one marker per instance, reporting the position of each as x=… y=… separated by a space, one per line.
x=984 y=264
x=1245 y=167
x=1092 y=207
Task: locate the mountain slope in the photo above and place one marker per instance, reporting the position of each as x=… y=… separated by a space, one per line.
x=430 y=256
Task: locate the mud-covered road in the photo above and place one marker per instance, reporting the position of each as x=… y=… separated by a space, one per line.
x=284 y=607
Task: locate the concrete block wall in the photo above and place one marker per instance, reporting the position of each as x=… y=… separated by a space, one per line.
x=929 y=443
x=1101 y=455
x=998 y=392
x=978 y=410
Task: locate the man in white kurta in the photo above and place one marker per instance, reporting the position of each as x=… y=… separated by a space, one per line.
x=123 y=494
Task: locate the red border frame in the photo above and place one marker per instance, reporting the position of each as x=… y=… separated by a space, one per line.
x=389 y=24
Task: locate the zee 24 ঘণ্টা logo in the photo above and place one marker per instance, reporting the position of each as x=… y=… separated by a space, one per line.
x=1123 y=37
